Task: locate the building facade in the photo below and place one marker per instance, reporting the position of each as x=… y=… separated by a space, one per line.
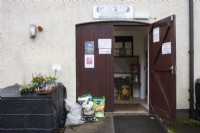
x=21 y=56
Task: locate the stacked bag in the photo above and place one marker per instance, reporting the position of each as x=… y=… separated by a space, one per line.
x=92 y=107
x=74 y=113
x=99 y=106
x=88 y=109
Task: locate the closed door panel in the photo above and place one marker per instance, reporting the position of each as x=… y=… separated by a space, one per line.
x=98 y=78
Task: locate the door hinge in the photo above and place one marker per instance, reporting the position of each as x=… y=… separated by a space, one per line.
x=172 y=18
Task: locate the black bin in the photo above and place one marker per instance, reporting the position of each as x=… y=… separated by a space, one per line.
x=197 y=92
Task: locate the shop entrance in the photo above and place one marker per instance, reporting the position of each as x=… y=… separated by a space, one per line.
x=131 y=69
x=128 y=61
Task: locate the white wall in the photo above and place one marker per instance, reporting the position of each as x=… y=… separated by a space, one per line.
x=21 y=56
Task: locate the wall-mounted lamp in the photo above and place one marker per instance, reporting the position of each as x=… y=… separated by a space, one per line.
x=33 y=31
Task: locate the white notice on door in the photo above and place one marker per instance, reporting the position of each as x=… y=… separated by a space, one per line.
x=105 y=51
x=166 y=48
x=156 y=34
x=104 y=43
x=89 y=61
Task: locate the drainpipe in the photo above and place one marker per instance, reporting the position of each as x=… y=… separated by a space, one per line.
x=191 y=60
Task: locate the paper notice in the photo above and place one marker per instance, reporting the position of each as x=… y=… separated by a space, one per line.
x=89 y=61
x=104 y=43
x=156 y=34
x=166 y=48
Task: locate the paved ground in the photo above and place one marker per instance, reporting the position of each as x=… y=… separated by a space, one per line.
x=104 y=125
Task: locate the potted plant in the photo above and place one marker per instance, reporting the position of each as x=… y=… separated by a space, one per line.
x=28 y=89
x=39 y=79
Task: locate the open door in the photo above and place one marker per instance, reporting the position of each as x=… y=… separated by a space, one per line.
x=162 y=65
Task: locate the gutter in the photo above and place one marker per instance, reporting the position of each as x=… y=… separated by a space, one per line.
x=191 y=60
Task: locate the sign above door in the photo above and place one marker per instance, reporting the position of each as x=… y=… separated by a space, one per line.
x=112 y=11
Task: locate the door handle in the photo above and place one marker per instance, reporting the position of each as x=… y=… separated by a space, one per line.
x=172 y=69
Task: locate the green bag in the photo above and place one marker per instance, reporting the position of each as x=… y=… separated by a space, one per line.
x=85 y=97
x=99 y=106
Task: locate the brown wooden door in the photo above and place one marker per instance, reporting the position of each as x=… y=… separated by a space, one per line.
x=99 y=81
x=162 y=59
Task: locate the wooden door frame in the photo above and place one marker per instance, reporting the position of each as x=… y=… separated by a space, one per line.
x=113 y=23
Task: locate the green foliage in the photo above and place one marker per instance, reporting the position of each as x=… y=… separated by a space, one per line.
x=50 y=79
x=181 y=125
x=39 y=81
x=192 y=123
x=39 y=78
x=171 y=130
x=28 y=88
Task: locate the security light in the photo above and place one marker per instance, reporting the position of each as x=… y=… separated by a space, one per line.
x=33 y=31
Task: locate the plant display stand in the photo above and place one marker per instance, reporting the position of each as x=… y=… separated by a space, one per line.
x=32 y=113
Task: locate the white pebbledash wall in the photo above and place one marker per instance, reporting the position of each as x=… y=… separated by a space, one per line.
x=21 y=56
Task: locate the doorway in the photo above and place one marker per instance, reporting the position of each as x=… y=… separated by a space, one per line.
x=155 y=63
x=130 y=69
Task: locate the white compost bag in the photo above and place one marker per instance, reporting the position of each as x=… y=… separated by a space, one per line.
x=74 y=115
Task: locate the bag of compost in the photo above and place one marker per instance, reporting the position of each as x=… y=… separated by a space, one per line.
x=75 y=113
x=84 y=98
x=88 y=113
x=99 y=105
